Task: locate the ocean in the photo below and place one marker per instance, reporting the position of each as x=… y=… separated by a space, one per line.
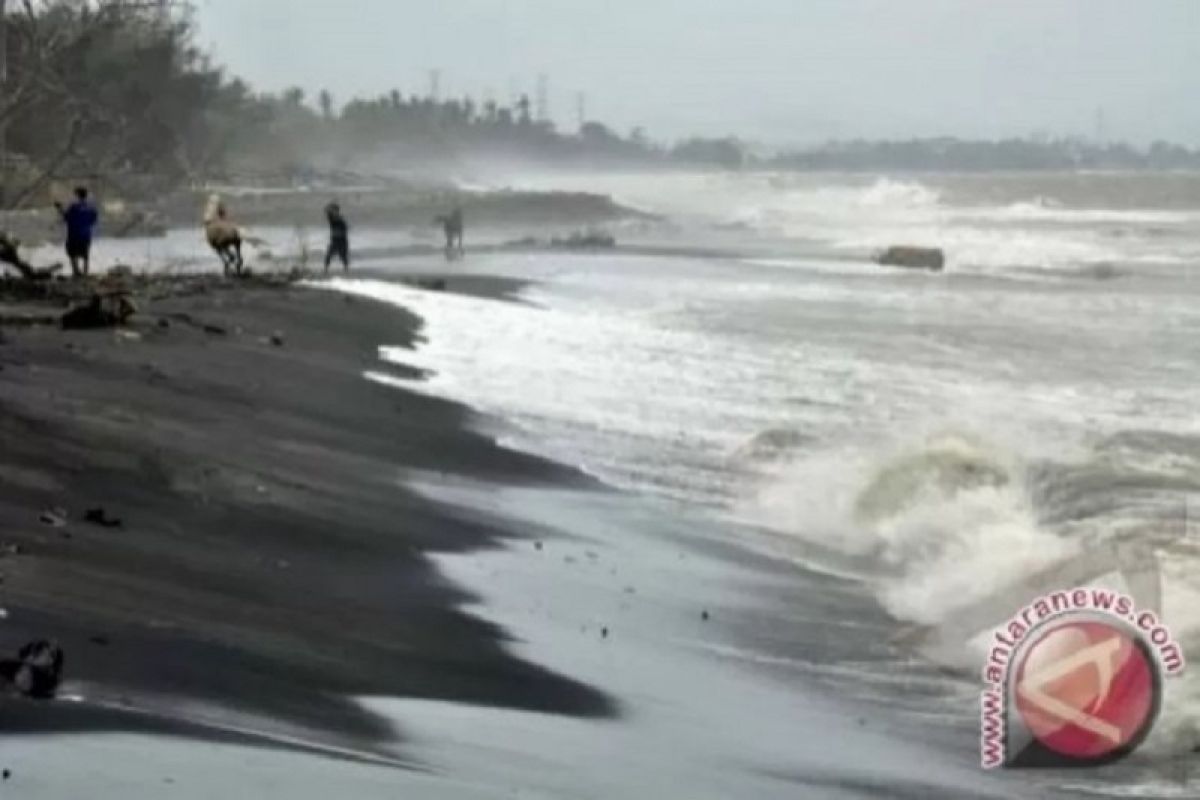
x=852 y=472
x=938 y=443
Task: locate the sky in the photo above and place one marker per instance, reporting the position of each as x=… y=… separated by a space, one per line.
x=773 y=71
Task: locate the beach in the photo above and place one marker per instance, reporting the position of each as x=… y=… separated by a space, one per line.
x=268 y=562
x=629 y=522
x=273 y=589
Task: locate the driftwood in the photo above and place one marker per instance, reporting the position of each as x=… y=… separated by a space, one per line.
x=36 y=671
x=10 y=256
x=931 y=258
x=105 y=309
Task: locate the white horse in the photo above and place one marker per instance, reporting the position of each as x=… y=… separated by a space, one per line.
x=223 y=235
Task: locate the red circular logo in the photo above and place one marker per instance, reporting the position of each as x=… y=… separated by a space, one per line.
x=1087 y=690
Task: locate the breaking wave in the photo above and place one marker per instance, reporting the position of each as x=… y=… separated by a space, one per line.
x=953 y=535
x=1040 y=232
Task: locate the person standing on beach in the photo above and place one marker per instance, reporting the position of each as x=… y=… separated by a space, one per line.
x=339 y=237
x=80 y=218
x=452 y=226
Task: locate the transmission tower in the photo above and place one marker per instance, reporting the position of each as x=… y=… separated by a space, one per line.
x=3 y=93
x=543 y=98
x=581 y=108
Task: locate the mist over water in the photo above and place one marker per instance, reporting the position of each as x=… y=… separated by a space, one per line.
x=1002 y=224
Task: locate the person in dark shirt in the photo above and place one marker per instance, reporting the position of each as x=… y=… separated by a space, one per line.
x=80 y=218
x=339 y=237
x=452 y=226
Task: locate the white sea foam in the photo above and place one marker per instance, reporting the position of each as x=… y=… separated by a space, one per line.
x=857 y=216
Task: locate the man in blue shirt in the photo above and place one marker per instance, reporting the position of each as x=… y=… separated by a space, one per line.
x=81 y=218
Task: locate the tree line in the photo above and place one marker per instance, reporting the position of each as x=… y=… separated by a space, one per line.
x=119 y=91
x=951 y=154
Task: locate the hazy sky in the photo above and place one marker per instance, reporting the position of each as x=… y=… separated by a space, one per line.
x=775 y=70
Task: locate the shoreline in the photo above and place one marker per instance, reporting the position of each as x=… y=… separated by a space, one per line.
x=388 y=208
x=271 y=564
x=517 y=665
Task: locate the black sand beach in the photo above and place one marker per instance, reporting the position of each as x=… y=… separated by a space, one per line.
x=269 y=563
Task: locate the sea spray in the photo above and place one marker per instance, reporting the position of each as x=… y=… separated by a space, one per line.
x=946 y=522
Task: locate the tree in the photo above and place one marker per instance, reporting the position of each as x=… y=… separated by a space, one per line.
x=293 y=97
x=728 y=153
x=107 y=87
x=326 y=101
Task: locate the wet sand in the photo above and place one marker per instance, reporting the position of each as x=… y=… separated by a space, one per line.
x=270 y=563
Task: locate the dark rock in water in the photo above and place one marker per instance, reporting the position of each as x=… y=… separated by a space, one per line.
x=704 y=616
x=98 y=516
x=277 y=339
x=36 y=671
x=585 y=240
x=931 y=258
x=1102 y=272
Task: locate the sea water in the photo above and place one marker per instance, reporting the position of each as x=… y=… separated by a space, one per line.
x=932 y=439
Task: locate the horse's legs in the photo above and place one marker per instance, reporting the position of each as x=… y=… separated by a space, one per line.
x=224 y=256
x=237 y=249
